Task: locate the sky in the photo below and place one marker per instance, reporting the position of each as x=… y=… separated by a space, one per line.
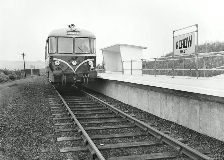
x=25 y=24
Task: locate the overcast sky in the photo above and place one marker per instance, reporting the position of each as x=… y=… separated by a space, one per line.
x=25 y=24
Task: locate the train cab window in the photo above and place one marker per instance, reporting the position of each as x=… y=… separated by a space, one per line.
x=65 y=45
x=82 y=45
x=52 y=45
x=93 y=45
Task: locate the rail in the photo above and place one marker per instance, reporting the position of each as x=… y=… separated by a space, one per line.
x=86 y=138
x=182 y=148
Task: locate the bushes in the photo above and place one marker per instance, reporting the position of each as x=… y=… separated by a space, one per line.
x=12 y=76
x=3 y=77
x=6 y=75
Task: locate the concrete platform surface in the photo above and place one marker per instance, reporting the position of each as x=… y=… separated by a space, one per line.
x=203 y=85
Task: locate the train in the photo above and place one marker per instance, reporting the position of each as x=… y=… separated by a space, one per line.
x=70 y=56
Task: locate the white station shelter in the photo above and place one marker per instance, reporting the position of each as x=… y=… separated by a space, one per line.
x=124 y=56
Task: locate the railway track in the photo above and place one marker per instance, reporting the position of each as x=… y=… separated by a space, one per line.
x=89 y=128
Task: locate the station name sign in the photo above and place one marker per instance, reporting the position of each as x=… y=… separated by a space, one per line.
x=184 y=44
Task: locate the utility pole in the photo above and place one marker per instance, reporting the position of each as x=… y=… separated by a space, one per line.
x=24 y=66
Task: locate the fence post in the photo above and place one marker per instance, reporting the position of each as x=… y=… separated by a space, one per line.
x=155 y=67
x=222 y=59
x=167 y=66
x=197 y=66
x=131 y=67
x=173 y=67
x=142 y=66
x=222 y=62
x=122 y=63
x=212 y=60
x=183 y=65
x=204 y=66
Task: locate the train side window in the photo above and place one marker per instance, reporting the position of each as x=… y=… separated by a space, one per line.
x=93 y=45
x=46 y=50
x=65 y=45
x=52 y=45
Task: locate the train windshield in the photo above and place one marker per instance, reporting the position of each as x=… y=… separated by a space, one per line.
x=65 y=45
x=82 y=45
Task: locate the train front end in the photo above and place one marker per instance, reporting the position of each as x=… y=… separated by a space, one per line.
x=70 y=56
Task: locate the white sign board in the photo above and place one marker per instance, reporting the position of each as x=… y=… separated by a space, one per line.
x=184 y=44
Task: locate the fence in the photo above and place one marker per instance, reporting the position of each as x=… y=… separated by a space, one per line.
x=194 y=66
x=132 y=67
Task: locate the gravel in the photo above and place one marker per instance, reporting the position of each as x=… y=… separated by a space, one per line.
x=26 y=125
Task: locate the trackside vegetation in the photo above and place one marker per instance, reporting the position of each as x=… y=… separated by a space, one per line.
x=9 y=75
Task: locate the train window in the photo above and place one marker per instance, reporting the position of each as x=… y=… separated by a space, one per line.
x=82 y=45
x=52 y=45
x=46 y=50
x=93 y=45
x=65 y=45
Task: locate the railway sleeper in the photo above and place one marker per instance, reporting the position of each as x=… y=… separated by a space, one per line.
x=98 y=137
x=112 y=146
x=94 y=112
x=60 y=139
x=128 y=145
x=109 y=127
x=83 y=106
x=89 y=109
x=86 y=108
x=81 y=99
x=104 y=121
x=57 y=108
x=61 y=118
x=81 y=103
x=73 y=149
x=64 y=124
x=98 y=117
x=152 y=156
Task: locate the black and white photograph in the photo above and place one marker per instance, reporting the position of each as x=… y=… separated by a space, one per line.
x=111 y=80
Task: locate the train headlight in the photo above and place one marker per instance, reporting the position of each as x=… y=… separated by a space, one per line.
x=91 y=64
x=57 y=63
x=74 y=63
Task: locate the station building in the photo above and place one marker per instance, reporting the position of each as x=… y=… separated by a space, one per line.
x=123 y=58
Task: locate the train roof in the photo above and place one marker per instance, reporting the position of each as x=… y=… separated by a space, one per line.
x=71 y=32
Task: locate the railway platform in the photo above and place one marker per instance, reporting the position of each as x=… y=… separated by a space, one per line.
x=204 y=85
x=197 y=104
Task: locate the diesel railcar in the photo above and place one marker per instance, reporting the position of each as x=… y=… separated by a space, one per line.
x=70 y=56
